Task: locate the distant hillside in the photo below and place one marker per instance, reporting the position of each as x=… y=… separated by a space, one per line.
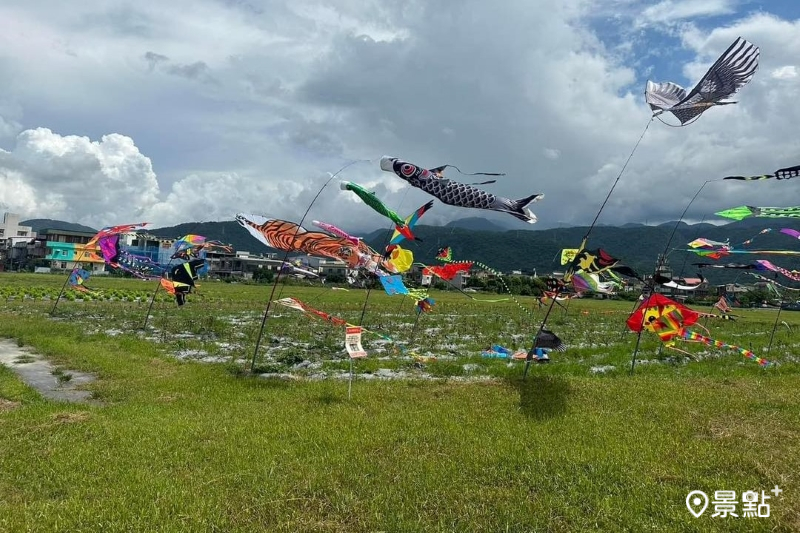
x=229 y=232
x=475 y=223
x=38 y=224
x=527 y=250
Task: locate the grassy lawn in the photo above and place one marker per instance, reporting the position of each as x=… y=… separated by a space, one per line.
x=176 y=444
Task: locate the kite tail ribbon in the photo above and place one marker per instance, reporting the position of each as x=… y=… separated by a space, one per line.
x=693 y=336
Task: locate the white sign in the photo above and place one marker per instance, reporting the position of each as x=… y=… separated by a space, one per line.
x=352 y=341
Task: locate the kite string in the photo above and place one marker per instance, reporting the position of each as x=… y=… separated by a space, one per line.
x=621 y=171
x=585 y=240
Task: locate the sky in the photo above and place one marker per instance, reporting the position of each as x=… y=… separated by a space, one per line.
x=184 y=111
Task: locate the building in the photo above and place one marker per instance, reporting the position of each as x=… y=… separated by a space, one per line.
x=154 y=248
x=65 y=249
x=241 y=264
x=13 y=235
x=325 y=266
x=10 y=230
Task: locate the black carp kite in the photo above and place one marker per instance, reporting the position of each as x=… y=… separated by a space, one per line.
x=780 y=174
x=459 y=194
x=732 y=71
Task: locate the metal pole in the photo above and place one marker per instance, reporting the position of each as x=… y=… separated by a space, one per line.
x=285 y=257
x=67 y=281
x=350 y=385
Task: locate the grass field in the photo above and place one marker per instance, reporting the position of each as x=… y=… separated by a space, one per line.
x=178 y=444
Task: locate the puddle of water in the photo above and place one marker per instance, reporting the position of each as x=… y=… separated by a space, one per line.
x=37 y=373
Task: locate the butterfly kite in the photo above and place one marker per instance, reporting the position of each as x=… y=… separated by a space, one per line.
x=459 y=194
x=732 y=71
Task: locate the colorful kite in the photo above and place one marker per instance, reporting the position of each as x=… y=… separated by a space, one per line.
x=458 y=194
x=696 y=337
x=294 y=303
x=732 y=71
x=583 y=281
x=410 y=221
x=449 y=271
x=336 y=231
x=190 y=246
x=670 y=320
x=425 y=305
x=137 y=265
x=288 y=236
x=744 y=211
x=371 y=200
x=716 y=254
x=591 y=261
x=446 y=255
x=662 y=316
x=398 y=259
x=393 y=284
x=115 y=230
x=781 y=174
x=793 y=275
x=78 y=278
x=181 y=279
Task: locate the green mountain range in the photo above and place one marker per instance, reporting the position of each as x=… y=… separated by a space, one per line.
x=636 y=245
x=529 y=251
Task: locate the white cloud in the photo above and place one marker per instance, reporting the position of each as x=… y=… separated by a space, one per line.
x=72 y=177
x=786 y=72
x=551 y=153
x=245 y=106
x=676 y=10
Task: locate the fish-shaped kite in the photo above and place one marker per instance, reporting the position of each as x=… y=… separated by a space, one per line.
x=732 y=71
x=371 y=200
x=459 y=194
x=781 y=174
x=336 y=231
x=744 y=211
